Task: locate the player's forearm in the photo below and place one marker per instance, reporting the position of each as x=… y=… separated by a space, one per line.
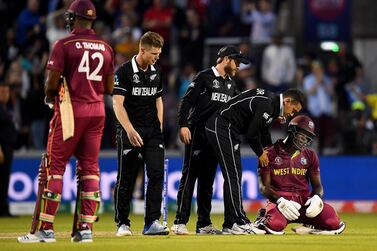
x=160 y=111
x=52 y=84
x=122 y=116
x=269 y=193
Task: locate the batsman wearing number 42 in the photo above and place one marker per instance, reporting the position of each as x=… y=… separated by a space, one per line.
x=86 y=64
x=285 y=183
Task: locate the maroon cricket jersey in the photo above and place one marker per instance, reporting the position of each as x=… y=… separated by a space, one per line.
x=85 y=61
x=290 y=173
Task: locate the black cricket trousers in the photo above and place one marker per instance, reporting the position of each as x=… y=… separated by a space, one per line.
x=153 y=153
x=226 y=145
x=200 y=164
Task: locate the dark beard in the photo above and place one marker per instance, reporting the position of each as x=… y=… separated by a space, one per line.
x=228 y=70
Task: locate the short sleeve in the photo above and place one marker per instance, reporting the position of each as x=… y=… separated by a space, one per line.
x=159 y=87
x=56 y=60
x=120 y=82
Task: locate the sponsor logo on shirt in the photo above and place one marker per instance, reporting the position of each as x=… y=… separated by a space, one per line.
x=229 y=85
x=303 y=161
x=278 y=160
x=153 y=77
x=220 y=97
x=135 y=78
x=116 y=80
x=266 y=115
x=216 y=84
x=144 y=91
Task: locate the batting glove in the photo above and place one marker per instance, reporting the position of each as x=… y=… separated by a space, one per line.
x=315 y=204
x=49 y=103
x=289 y=208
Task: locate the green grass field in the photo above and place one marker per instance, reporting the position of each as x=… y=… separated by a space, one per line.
x=360 y=234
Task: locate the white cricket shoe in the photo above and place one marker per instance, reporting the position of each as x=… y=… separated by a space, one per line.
x=342 y=227
x=123 y=230
x=39 y=236
x=155 y=228
x=179 y=229
x=210 y=229
x=83 y=236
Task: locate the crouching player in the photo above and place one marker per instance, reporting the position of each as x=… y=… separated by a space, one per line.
x=285 y=183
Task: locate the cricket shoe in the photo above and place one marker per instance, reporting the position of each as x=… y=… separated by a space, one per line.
x=82 y=236
x=40 y=236
x=210 y=229
x=179 y=229
x=342 y=227
x=268 y=230
x=155 y=228
x=123 y=230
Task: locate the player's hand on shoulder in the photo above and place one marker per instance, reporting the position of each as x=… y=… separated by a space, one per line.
x=289 y=208
x=185 y=135
x=134 y=138
x=315 y=206
x=263 y=159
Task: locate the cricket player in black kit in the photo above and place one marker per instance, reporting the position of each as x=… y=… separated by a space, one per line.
x=138 y=108
x=207 y=92
x=250 y=113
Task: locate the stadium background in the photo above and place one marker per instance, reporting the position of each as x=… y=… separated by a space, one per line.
x=339 y=34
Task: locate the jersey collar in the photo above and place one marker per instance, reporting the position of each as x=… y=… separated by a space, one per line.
x=135 y=68
x=83 y=31
x=217 y=74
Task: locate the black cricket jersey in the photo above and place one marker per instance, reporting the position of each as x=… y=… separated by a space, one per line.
x=207 y=92
x=140 y=89
x=251 y=113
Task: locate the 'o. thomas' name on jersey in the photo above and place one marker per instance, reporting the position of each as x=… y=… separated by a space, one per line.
x=144 y=91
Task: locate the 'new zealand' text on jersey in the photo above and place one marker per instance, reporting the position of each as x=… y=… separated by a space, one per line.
x=140 y=90
x=251 y=113
x=291 y=173
x=207 y=92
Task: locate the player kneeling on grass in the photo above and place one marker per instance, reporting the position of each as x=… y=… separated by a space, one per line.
x=285 y=183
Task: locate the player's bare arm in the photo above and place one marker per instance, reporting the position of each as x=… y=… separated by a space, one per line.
x=124 y=120
x=160 y=111
x=52 y=85
x=109 y=84
x=264 y=181
x=317 y=187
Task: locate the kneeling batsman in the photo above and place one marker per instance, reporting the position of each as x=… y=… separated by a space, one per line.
x=292 y=184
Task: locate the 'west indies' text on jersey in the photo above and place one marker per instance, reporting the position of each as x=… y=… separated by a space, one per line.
x=290 y=173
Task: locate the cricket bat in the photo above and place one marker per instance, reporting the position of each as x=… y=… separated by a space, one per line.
x=66 y=111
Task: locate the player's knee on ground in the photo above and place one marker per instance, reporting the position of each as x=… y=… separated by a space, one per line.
x=275 y=220
x=328 y=218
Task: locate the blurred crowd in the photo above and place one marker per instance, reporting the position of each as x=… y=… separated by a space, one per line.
x=340 y=98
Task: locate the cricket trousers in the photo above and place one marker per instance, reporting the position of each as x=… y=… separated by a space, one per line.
x=200 y=164
x=226 y=146
x=153 y=154
x=326 y=220
x=85 y=146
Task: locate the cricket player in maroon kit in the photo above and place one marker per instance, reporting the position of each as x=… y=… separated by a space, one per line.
x=87 y=64
x=285 y=183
